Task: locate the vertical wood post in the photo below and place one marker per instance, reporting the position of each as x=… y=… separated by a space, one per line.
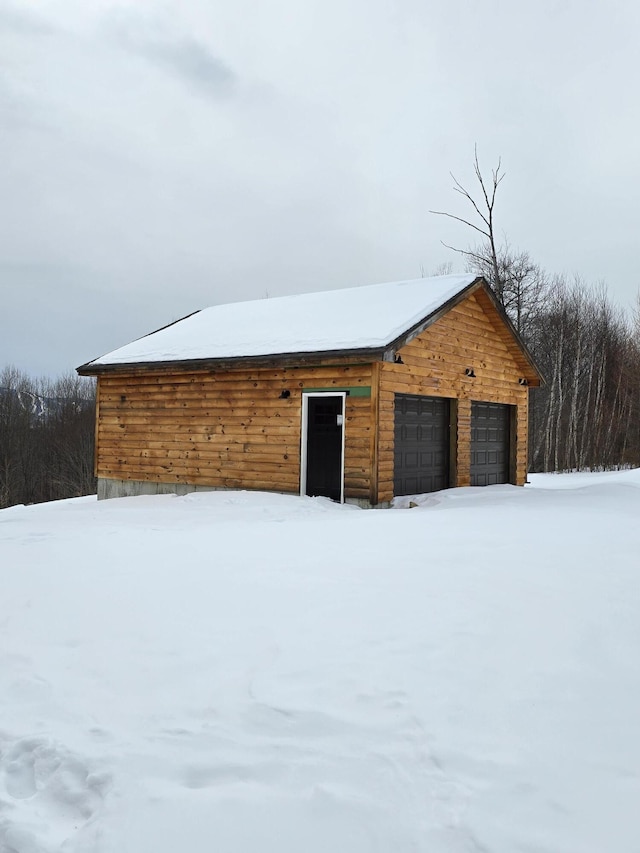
x=375 y=427
x=453 y=443
x=514 y=415
x=463 y=456
x=96 y=429
x=522 y=439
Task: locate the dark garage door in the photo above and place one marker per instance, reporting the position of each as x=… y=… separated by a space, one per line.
x=421 y=459
x=490 y=427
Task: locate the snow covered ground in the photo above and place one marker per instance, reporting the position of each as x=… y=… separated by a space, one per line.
x=245 y=672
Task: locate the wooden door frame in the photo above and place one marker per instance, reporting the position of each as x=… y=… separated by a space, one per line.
x=305 y=431
x=513 y=444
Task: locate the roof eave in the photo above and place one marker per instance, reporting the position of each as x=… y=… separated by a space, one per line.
x=356 y=355
x=292 y=359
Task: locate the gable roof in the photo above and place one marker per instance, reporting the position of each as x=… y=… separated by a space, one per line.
x=355 y=321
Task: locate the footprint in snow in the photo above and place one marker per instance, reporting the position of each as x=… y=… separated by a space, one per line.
x=41 y=777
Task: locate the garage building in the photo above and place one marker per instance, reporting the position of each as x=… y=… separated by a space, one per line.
x=360 y=394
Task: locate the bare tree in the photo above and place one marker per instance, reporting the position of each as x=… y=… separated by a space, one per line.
x=484 y=211
x=46 y=437
x=588 y=414
x=519 y=283
x=445 y=268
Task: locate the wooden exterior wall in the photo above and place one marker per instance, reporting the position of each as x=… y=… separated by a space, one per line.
x=470 y=335
x=227 y=428
x=231 y=429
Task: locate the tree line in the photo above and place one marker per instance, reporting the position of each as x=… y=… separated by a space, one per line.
x=587 y=414
x=46 y=437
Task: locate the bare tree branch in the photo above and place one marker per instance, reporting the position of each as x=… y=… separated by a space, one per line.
x=484 y=210
x=459 y=219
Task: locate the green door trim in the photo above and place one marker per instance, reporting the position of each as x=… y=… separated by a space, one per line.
x=351 y=391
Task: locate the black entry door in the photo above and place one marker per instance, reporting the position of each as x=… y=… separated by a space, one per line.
x=421 y=449
x=490 y=428
x=324 y=447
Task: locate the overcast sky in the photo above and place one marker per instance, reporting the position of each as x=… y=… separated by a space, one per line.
x=159 y=157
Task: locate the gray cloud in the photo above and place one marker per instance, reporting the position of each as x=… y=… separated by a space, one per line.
x=144 y=177
x=18 y=21
x=193 y=61
x=184 y=56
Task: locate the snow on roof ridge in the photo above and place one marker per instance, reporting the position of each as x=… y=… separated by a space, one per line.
x=361 y=317
x=352 y=288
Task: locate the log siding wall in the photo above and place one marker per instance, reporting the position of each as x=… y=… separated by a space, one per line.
x=227 y=429
x=230 y=428
x=469 y=335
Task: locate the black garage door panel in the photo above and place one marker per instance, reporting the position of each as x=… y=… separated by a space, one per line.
x=421 y=459
x=490 y=428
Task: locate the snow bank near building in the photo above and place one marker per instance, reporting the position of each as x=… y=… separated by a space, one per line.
x=243 y=672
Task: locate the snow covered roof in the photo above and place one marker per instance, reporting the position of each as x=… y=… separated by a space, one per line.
x=358 y=318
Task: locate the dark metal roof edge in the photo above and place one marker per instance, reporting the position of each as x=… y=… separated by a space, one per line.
x=92 y=369
x=479 y=282
x=82 y=369
x=443 y=309
x=367 y=353
x=294 y=358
